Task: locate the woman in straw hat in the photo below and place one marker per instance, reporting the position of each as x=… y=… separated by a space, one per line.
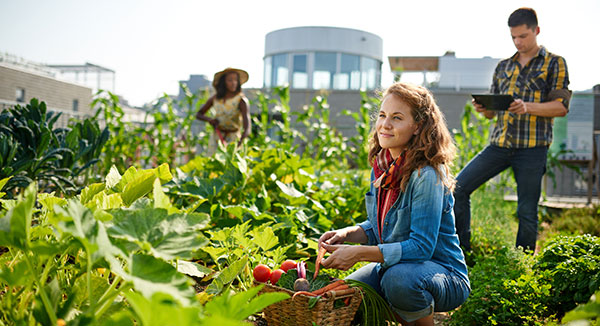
x=230 y=107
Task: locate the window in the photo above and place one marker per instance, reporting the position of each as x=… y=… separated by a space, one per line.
x=369 y=73
x=280 y=70
x=349 y=76
x=268 y=70
x=75 y=105
x=299 y=72
x=20 y=94
x=325 y=67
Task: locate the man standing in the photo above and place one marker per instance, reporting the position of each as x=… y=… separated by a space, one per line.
x=538 y=81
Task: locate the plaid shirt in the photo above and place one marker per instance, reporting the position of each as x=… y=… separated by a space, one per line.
x=544 y=73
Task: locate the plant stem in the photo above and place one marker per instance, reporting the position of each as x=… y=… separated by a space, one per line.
x=89 y=281
x=105 y=300
x=45 y=300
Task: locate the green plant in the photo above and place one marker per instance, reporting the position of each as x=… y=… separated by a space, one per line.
x=321 y=140
x=473 y=136
x=584 y=220
x=32 y=149
x=587 y=311
x=503 y=296
x=373 y=308
x=363 y=118
x=571 y=266
x=76 y=259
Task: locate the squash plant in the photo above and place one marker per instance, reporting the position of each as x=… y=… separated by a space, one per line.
x=106 y=257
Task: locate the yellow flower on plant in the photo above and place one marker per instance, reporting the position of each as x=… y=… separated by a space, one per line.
x=288 y=178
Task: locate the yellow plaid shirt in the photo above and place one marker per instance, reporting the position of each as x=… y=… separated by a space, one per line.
x=533 y=83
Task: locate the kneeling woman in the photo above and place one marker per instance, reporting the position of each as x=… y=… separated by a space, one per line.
x=418 y=266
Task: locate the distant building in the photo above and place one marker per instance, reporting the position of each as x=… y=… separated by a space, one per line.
x=194 y=84
x=21 y=80
x=452 y=80
x=319 y=60
x=64 y=88
x=323 y=58
x=90 y=75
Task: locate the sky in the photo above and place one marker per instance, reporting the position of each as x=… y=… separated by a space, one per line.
x=152 y=44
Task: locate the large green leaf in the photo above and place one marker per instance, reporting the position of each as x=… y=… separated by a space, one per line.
x=264 y=237
x=113 y=178
x=138 y=186
x=160 y=309
x=160 y=199
x=150 y=275
x=243 y=304
x=103 y=201
x=16 y=224
x=163 y=173
x=165 y=236
x=227 y=276
x=80 y=223
x=18 y=274
x=90 y=191
x=2 y=183
x=192 y=269
x=289 y=190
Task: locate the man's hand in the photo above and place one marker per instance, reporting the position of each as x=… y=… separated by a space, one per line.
x=481 y=109
x=518 y=106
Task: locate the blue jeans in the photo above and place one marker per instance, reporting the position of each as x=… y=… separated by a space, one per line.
x=528 y=164
x=415 y=290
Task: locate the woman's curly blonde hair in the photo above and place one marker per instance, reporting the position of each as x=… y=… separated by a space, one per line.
x=432 y=145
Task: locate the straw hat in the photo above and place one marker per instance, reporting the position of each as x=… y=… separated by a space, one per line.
x=243 y=75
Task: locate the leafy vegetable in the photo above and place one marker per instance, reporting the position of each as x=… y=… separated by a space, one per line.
x=287 y=280
x=373 y=307
x=319 y=282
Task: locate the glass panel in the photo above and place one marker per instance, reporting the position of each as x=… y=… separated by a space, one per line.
x=369 y=73
x=20 y=94
x=325 y=66
x=349 y=76
x=299 y=75
x=280 y=70
x=267 y=72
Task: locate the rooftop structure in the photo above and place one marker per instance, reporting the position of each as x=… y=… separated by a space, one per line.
x=318 y=57
x=448 y=71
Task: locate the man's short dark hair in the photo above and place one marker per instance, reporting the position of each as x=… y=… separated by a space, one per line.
x=522 y=16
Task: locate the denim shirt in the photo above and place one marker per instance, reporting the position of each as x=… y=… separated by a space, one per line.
x=419 y=226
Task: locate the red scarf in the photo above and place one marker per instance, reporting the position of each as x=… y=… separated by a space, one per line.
x=387 y=179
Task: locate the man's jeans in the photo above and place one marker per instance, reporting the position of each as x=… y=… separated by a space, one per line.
x=528 y=164
x=415 y=290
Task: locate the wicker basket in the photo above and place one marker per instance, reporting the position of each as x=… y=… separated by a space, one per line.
x=296 y=312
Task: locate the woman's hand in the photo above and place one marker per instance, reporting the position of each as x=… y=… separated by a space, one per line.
x=333 y=237
x=343 y=257
x=214 y=122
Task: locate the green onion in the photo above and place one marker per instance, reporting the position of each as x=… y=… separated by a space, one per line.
x=373 y=307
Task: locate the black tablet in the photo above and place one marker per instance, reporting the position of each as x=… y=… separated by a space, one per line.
x=493 y=101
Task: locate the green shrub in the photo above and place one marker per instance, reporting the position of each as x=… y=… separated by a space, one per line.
x=32 y=149
x=571 y=266
x=585 y=220
x=505 y=291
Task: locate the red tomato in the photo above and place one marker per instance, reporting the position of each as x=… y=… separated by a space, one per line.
x=261 y=273
x=287 y=265
x=276 y=275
